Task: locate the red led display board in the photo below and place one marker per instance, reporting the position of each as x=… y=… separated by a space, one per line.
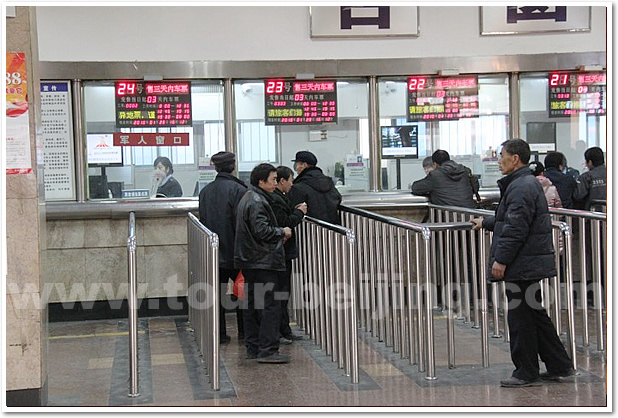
x=572 y=93
x=442 y=98
x=293 y=102
x=153 y=104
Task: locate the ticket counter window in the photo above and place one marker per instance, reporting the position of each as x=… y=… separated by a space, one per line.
x=563 y=111
x=272 y=125
x=470 y=123
x=182 y=153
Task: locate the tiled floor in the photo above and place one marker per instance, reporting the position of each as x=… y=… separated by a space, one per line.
x=89 y=367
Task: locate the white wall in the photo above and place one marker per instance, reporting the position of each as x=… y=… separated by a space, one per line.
x=257 y=33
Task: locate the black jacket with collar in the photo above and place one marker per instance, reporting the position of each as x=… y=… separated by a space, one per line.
x=218 y=204
x=522 y=228
x=319 y=193
x=287 y=216
x=259 y=240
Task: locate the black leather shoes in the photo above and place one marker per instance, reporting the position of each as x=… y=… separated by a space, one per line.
x=294 y=337
x=513 y=382
x=274 y=358
x=557 y=376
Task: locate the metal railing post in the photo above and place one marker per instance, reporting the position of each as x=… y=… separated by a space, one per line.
x=133 y=307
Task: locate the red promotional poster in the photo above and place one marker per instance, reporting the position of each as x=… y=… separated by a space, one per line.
x=18 y=159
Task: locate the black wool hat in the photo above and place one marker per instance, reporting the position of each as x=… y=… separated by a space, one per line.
x=223 y=157
x=306 y=157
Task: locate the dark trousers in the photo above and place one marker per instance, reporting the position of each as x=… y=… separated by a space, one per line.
x=263 y=314
x=532 y=333
x=226 y=302
x=285 y=283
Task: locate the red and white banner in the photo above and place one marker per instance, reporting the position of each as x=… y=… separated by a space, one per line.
x=18 y=157
x=151 y=139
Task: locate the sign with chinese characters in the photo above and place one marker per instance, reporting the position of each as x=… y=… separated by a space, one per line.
x=18 y=157
x=363 y=21
x=442 y=98
x=574 y=93
x=57 y=138
x=513 y=20
x=135 y=194
x=153 y=104
x=292 y=102
x=151 y=139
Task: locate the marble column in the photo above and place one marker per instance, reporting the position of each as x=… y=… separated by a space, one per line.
x=26 y=310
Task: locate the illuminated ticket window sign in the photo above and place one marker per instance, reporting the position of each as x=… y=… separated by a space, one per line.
x=442 y=98
x=153 y=104
x=292 y=102
x=575 y=93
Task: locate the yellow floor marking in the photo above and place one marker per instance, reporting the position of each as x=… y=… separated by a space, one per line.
x=377 y=370
x=102 y=334
x=163 y=359
x=100 y=363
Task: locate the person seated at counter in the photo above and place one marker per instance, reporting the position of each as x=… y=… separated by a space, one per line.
x=167 y=185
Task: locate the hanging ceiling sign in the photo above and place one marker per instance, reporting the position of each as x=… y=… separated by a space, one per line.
x=572 y=93
x=292 y=102
x=442 y=98
x=145 y=104
x=363 y=21
x=514 y=20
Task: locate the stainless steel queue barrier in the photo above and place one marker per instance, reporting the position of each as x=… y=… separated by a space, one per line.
x=396 y=291
x=204 y=293
x=591 y=234
x=323 y=296
x=133 y=307
x=551 y=288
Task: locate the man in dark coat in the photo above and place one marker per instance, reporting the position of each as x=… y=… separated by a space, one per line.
x=565 y=184
x=592 y=184
x=449 y=184
x=259 y=252
x=522 y=254
x=289 y=216
x=315 y=189
x=217 y=207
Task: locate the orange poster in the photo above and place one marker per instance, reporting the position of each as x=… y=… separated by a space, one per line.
x=18 y=159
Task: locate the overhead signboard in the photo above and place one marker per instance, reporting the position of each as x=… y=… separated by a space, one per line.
x=294 y=102
x=572 y=93
x=442 y=98
x=145 y=104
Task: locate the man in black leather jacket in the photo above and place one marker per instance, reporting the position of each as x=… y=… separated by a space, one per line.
x=522 y=254
x=448 y=184
x=315 y=189
x=259 y=252
x=217 y=207
x=290 y=216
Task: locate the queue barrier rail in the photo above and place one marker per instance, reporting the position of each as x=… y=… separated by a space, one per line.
x=323 y=299
x=203 y=272
x=133 y=308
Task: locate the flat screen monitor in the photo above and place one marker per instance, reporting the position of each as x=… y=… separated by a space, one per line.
x=102 y=152
x=541 y=136
x=399 y=141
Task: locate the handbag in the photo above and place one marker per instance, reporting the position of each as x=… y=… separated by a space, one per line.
x=238 y=289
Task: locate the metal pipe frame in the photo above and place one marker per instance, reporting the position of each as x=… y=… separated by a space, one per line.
x=133 y=307
x=203 y=270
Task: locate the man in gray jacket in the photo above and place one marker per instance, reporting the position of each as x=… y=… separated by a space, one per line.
x=449 y=184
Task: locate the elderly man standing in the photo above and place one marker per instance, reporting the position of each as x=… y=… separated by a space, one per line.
x=259 y=252
x=217 y=207
x=315 y=189
x=522 y=254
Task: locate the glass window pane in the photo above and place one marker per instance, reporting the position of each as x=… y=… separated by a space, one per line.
x=342 y=149
x=468 y=141
x=206 y=137
x=571 y=135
